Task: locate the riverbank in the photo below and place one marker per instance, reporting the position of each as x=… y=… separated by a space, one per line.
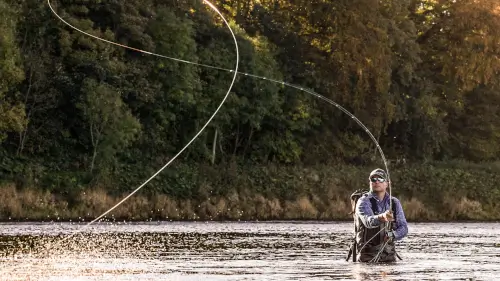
x=436 y=192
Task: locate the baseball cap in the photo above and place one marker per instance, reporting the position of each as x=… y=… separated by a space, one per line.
x=378 y=172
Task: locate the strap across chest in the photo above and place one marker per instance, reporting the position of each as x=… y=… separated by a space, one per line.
x=373 y=201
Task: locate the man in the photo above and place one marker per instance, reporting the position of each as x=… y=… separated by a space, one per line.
x=377 y=225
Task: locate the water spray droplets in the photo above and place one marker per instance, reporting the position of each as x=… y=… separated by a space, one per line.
x=235 y=71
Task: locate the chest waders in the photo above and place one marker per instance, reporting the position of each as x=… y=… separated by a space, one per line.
x=368 y=242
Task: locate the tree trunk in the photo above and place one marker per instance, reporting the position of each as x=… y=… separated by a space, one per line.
x=236 y=140
x=23 y=133
x=92 y=163
x=248 y=141
x=214 y=145
x=95 y=142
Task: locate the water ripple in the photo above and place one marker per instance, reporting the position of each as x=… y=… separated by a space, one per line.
x=242 y=251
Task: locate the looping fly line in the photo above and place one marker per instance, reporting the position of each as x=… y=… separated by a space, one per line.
x=170 y=58
x=256 y=77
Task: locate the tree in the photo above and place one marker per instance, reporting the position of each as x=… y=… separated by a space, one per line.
x=460 y=42
x=12 y=115
x=111 y=125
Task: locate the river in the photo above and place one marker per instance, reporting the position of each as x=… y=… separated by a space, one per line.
x=240 y=251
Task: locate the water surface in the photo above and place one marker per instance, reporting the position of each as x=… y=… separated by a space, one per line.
x=240 y=251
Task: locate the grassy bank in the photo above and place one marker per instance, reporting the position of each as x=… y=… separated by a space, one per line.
x=437 y=192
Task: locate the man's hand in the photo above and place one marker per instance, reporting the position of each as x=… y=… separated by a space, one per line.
x=386 y=217
x=389 y=236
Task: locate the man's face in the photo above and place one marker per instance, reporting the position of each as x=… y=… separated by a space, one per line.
x=378 y=183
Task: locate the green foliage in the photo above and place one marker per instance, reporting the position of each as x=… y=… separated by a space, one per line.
x=436 y=191
x=421 y=75
x=112 y=126
x=12 y=114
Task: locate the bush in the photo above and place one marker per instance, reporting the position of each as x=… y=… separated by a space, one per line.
x=428 y=192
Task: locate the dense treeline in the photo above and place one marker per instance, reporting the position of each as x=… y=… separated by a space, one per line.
x=77 y=112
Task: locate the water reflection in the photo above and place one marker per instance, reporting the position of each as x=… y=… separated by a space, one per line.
x=241 y=251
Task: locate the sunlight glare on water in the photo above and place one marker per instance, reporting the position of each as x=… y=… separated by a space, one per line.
x=242 y=251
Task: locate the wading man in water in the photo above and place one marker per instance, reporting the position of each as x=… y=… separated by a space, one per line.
x=377 y=226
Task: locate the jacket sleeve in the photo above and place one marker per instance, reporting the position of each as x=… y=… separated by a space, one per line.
x=365 y=213
x=401 y=226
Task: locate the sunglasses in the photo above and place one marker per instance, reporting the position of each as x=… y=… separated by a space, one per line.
x=376 y=179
